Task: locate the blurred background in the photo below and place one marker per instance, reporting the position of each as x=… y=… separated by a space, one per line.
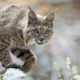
x=60 y=58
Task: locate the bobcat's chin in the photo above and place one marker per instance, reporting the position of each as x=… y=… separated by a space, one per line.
x=42 y=43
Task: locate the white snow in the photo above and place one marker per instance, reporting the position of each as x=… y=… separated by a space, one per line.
x=13 y=74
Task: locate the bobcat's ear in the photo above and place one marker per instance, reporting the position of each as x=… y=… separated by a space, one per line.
x=50 y=18
x=31 y=16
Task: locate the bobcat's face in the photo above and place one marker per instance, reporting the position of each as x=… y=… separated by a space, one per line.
x=42 y=34
x=41 y=29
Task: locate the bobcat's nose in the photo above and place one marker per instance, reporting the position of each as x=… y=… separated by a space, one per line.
x=42 y=39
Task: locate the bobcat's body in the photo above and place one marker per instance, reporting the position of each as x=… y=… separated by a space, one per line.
x=17 y=27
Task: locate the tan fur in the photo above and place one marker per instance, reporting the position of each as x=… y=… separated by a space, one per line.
x=17 y=27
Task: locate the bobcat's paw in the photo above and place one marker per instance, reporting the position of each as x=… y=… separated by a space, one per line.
x=12 y=66
x=29 y=63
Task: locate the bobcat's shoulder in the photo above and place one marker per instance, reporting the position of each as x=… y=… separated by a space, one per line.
x=12 y=16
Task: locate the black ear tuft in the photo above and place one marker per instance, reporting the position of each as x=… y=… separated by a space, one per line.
x=29 y=8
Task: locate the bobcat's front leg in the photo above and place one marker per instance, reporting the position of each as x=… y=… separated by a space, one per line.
x=30 y=59
x=16 y=62
x=26 y=56
x=12 y=65
x=5 y=59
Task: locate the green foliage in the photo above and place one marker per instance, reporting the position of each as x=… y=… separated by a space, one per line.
x=70 y=67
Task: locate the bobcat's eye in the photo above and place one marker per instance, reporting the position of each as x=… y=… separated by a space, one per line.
x=47 y=32
x=36 y=31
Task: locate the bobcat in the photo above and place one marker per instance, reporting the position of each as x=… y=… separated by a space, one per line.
x=18 y=28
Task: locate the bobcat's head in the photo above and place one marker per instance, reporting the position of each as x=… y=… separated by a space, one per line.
x=39 y=27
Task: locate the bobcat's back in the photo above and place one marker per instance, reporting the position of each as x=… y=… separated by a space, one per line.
x=12 y=16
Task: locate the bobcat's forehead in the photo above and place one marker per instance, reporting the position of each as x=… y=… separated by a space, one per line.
x=41 y=23
x=41 y=18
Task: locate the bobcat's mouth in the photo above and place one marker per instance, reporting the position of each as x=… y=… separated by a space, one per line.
x=40 y=43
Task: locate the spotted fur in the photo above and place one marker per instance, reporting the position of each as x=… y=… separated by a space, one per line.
x=15 y=36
